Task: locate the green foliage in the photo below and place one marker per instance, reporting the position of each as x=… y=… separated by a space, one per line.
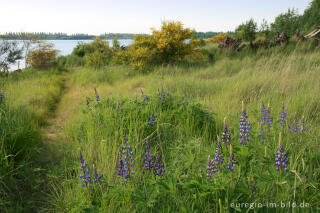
x=310 y=18
x=248 y=30
x=71 y=60
x=286 y=22
x=10 y=52
x=43 y=56
x=165 y=46
x=96 y=53
x=29 y=98
x=115 y=44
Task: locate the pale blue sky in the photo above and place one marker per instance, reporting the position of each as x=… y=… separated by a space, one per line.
x=136 y=16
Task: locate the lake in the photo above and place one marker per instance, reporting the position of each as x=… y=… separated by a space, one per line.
x=65 y=47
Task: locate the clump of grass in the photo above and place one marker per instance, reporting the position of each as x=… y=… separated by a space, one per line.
x=28 y=100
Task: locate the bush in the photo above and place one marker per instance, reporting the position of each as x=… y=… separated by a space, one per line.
x=70 y=61
x=165 y=46
x=96 y=53
x=43 y=56
x=218 y=38
x=286 y=22
x=247 y=30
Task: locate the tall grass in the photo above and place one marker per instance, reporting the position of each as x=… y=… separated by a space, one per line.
x=282 y=75
x=29 y=98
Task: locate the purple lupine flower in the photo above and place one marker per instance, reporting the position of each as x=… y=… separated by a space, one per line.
x=244 y=127
x=225 y=135
x=218 y=156
x=303 y=125
x=161 y=95
x=144 y=97
x=211 y=168
x=159 y=167
x=283 y=116
x=281 y=160
x=86 y=178
x=262 y=133
x=231 y=164
x=96 y=95
x=263 y=114
x=148 y=160
x=95 y=175
x=125 y=167
x=120 y=167
x=295 y=126
x=266 y=118
x=1 y=98
x=151 y=120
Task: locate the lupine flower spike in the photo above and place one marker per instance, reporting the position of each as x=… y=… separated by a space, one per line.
x=263 y=114
x=211 y=168
x=262 y=133
x=148 y=160
x=218 y=156
x=161 y=95
x=96 y=176
x=151 y=120
x=244 y=127
x=303 y=125
x=268 y=116
x=215 y=165
x=1 y=98
x=281 y=158
x=86 y=178
x=231 y=164
x=125 y=167
x=144 y=97
x=295 y=126
x=159 y=167
x=225 y=135
x=283 y=116
x=96 y=95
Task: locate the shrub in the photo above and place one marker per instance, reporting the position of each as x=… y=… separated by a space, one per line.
x=96 y=53
x=165 y=46
x=197 y=43
x=218 y=38
x=115 y=44
x=247 y=30
x=286 y=22
x=43 y=56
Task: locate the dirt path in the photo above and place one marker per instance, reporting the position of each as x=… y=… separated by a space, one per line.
x=52 y=150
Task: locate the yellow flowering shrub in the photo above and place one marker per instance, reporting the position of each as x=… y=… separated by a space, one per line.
x=43 y=56
x=218 y=38
x=165 y=46
x=98 y=53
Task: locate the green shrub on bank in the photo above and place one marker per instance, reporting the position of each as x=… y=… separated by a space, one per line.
x=96 y=53
x=165 y=46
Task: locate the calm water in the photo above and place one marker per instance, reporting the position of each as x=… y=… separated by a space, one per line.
x=66 y=46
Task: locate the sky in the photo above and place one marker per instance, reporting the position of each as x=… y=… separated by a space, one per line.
x=136 y=16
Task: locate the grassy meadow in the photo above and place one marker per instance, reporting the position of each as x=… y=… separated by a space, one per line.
x=48 y=115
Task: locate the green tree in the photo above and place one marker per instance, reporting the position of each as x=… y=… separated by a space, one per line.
x=10 y=52
x=115 y=44
x=311 y=16
x=286 y=22
x=248 y=30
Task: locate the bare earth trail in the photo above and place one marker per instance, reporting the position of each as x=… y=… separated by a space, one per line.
x=53 y=149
